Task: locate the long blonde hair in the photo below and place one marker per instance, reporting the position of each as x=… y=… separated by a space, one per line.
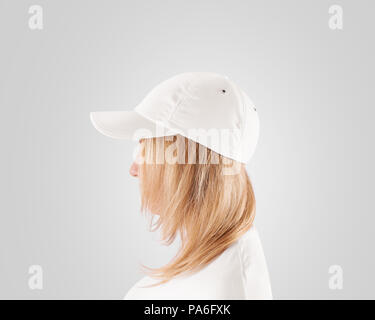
x=207 y=208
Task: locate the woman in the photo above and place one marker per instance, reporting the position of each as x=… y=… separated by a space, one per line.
x=196 y=131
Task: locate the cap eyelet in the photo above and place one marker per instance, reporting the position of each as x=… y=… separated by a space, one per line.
x=223 y=91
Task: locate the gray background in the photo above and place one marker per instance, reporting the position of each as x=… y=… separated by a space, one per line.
x=67 y=200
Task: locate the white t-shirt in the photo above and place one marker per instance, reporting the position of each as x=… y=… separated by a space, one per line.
x=240 y=273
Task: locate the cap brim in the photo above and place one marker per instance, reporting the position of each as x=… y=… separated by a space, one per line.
x=128 y=125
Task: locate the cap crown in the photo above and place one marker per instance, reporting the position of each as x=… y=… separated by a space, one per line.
x=207 y=108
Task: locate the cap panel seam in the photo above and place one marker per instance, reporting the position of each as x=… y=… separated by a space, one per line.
x=243 y=115
x=178 y=104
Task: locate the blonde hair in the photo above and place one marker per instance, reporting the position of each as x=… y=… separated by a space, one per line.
x=208 y=209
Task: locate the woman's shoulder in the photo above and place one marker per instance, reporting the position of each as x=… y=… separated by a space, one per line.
x=254 y=266
x=240 y=272
x=250 y=239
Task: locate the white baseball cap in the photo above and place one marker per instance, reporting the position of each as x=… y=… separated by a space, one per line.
x=205 y=107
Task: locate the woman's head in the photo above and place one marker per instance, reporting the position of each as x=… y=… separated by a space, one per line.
x=196 y=193
x=192 y=188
